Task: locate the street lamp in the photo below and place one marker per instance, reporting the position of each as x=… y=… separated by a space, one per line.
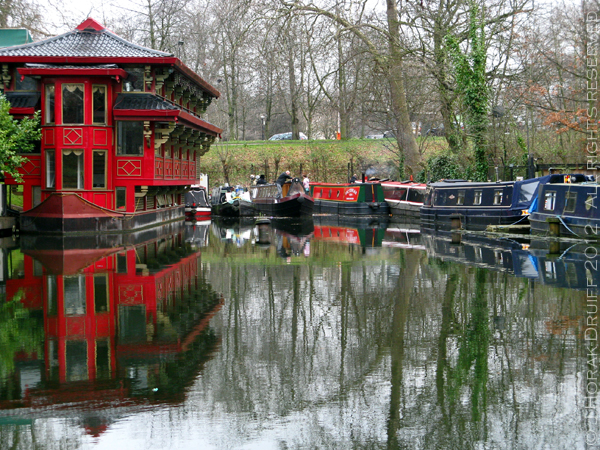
x=263 y=119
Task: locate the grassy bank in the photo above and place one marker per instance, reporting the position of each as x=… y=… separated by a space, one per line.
x=323 y=160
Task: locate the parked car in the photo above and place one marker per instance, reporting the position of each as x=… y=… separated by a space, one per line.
x=374 y=136
x=436 y=131
x=286 y=136
x=389 y=134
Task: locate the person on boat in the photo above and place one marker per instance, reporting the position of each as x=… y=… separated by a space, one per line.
x=261 y=180
x=253 y=180
x=281 y=181
x=353 y=178
x=306 y=183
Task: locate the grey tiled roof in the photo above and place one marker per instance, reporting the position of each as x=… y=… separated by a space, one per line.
x=84 y=43
x=23 y=99
x=141 y=101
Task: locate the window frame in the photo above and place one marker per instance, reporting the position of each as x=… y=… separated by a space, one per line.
x=119 y=150
x=50 y=101
x=80 y=167
x=94 y=153
x=105 y=87
x=50 y=157
x=62 y=103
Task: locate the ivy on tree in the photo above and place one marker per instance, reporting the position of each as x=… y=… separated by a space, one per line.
x=16 y=136
x=469 y=71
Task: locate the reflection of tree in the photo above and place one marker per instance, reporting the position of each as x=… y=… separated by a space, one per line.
x=20 y=331
x=391 y=352
x=401 y=295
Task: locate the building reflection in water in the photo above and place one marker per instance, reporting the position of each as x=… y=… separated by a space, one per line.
x=108 y=326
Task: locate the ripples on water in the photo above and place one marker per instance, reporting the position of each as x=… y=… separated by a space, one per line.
x=319 y=334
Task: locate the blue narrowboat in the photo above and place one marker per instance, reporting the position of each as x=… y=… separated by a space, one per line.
x=475 y=205
x=571 y=205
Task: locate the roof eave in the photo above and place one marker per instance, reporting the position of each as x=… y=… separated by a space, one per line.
x=197 y=78
x=71 y=71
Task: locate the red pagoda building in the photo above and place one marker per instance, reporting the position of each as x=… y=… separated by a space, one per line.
x=122 y=132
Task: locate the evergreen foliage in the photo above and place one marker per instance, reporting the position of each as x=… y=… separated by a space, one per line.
x=16 y=136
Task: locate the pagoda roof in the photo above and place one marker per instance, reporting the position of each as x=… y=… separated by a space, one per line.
x=88 y=40
x=142 y=101
x=145 y=106
x=90 y=44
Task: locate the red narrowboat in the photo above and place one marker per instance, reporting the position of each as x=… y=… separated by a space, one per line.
x=353 y=199
x=122 y=131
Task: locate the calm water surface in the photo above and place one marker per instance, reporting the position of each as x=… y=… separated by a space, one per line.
x=297 y=336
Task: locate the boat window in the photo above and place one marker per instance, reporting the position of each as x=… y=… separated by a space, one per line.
x=498 y=195
x=416 y=195
x=549 y=200
x=589 y=202
x=120 y=198
x=395 y=193
x=570 y=201
x=49 y=102
x=130 y=138
x=99 y=104
x=36 y=195
x=72 y=161
x=440 y=197
x=50 y=169
x=72 y=103
x=99 y=168
x=527 y=190
x=461 y=197
x=477 y=198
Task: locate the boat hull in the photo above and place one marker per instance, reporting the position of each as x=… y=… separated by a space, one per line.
x=197 y=213
x=226 y=209
x=296 y=205
x=476 y=220
x=352 y=209
x=404 y=210
x=71 y=214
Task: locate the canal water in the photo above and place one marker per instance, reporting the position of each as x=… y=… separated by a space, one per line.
x=298 y=335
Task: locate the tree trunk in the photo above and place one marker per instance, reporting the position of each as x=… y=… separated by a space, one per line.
x=404 y=133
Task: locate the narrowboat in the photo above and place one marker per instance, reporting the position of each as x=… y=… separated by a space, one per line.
x=353 y=199
x=405 y=198
x=570 y=205
x=224 y=202
x=264 y=200
x=196 y=204
x=122 y=131
x=475 y=205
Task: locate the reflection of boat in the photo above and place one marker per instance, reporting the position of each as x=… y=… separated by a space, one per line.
x=237 y=231
x=297 y=227
x=126 y=328
x=477 y=205
x=197 y=233
x=405 y=198
x=196 y=204
x=572 y=205
x=223 y=202
x=566 y=266
x=264 y=200
x=336 y=229
x=356 y=199
x=403 y=236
